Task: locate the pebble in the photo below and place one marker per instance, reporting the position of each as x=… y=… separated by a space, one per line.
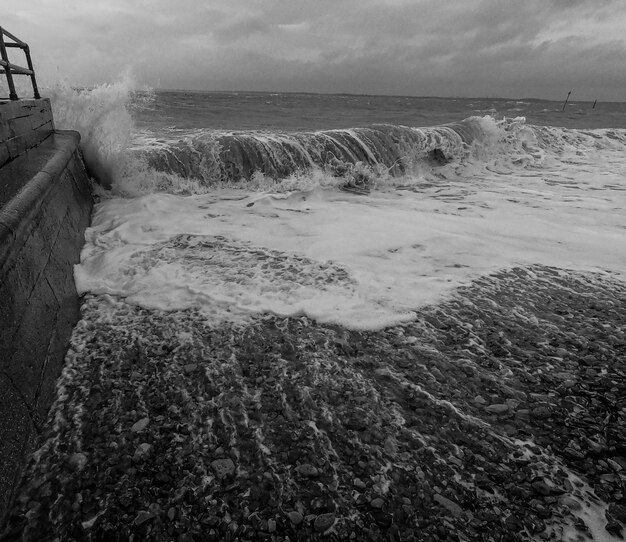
x=359 y=483
x=390 y=446
x=377 y=503
x=618 y=511
x=140 y=425
x=615 y=529
x=614 y=465
x=143 y=449
x=295 y=517
x=541 y=412
x=307 y=469
x=323 y=522
x=223 y=467
x=383 y=519
x=142 y=517
x=78 y=461
x=572 y=503
x=452 y=507
x=500 y=408
x=190 y=367
x=545 y=487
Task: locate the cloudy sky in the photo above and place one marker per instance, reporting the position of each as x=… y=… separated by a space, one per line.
x=506 y=48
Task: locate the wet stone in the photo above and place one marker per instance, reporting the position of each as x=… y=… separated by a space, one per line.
x=323 y=522
x=307 y=469
x=142 y=517
x=140 y=425
x=142 y=450
x=452 y=507
x=618 y=511
x=223 y=467
x=541 y=412
x=77 y=461
x=500 y=408
x=382 y=519
x=615 y=529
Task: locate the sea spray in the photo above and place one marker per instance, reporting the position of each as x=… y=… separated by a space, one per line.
x=101 y=116
x=104 y=117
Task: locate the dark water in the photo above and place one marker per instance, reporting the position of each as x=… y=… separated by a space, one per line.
x=190 y=110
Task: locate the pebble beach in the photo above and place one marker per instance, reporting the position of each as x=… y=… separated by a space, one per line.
x=499 y=414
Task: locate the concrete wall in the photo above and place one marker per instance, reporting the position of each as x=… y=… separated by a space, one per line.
x=45 y=206
x=23 y=125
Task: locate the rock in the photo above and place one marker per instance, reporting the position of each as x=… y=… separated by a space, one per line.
x=140 y=425
x=618 y=511
x=614 y=465
x=545 y=487
x=323 y=522
x=589 y=360
x=480 y=400
x=452 y=507
x=572 y=503
x=171 y=513
x=621 y=461
x=500 y=408
x=295 y=517
x=142 y=450
x=223 y=467
x=307 y=469
x=77 y=461
x=383 y=519
x=142 y=517
x=541 y=412
x=359 y=483
x=377 y=503
x=614 y=528
x=390 y=446
x=190 y=367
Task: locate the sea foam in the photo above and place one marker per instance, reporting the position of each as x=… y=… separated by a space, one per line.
x=351 y=241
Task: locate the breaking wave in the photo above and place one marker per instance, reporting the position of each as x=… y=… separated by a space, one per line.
x=357 y=159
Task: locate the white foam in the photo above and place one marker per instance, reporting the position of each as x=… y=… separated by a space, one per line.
x=382 y=255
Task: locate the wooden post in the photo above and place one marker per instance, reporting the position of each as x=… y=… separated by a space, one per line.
x=565 y=103
x=594 y=104
x=7 y=69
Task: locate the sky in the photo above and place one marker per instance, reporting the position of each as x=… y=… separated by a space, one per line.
x=462 y=48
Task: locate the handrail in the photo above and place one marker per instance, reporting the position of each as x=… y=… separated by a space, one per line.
x=10 y=69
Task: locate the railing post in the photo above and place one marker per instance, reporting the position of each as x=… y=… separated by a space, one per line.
x=32 y=77
x=7 y=69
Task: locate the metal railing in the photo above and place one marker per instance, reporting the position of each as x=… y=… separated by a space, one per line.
x=11 y=69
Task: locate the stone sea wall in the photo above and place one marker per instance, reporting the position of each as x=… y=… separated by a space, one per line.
x=45 y=206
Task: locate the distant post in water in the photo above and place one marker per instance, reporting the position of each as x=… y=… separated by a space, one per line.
x=594 y=104
x=565 y=103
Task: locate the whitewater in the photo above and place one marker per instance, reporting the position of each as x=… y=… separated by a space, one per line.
x=311 y=317
x=357 y=226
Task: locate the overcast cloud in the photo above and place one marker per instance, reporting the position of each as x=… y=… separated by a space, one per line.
x=507 y=48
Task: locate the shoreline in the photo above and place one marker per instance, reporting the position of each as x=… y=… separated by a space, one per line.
x=488 y=414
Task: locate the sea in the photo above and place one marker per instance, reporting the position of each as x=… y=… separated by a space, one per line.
x=404 y=198
x=375 y=317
